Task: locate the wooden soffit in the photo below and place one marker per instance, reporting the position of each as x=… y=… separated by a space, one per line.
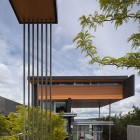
x=35 y=11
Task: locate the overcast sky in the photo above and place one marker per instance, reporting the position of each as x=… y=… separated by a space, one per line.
x=67 y=60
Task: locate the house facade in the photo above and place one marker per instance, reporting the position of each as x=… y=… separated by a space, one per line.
x=82 y=92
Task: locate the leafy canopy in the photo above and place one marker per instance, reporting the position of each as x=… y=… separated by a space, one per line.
x=14 y=127
x=119 y=129
x=117 y=12
x=3 y=125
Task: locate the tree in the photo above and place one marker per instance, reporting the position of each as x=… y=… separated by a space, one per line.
x=119 y=130
x=117 y=12
x=15 y=124
x=3 y=125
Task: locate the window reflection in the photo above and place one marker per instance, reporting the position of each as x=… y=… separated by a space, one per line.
x=59 y=107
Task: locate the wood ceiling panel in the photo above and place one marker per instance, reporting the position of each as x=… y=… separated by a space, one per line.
x=35 y=11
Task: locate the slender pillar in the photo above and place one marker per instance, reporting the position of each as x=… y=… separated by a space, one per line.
x=24 y=113
x=99 y=109
x=28 y=81
x=69 y=127
x=37 y=52
x=50 y=81
x=109 y=119
x=41 y=81
x=33 y=82
x=69 y=118
x=46 y=83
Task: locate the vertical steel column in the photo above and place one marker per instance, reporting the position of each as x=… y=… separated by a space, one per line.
x=33 y=82
x=46 y=83
x=28 y=81
x=37 y=137
x=50 y=81
x=41 y=80
x=100 y=137
x=24 y=113
x=109 y=119
x=99 y=109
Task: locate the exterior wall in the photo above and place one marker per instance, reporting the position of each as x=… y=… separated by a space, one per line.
x=129 y=87
x=7 y=106
x=63 y=92
x=133 y=132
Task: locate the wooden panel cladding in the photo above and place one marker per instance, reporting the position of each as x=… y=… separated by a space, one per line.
x=64 y=92
x=35 y=11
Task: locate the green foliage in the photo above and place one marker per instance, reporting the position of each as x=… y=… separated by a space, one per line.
x=117 y=12
x=119 y=130
x=15 y=124
x=135 y=39
x=3 y=125
x=15 y=137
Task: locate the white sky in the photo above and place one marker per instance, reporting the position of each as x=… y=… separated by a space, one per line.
x=67 y=60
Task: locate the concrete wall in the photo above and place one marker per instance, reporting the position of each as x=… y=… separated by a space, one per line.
x=133 y=132
x=7 y=106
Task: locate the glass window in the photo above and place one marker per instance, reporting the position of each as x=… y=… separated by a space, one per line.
x=46 y=105
x=59 y=107
x=82 y=128
x=75 y=128
x=97 y=128
x=86 y=127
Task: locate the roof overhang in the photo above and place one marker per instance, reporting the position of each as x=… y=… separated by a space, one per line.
x=87 y=91
x=92 y=103
x=57 y=79
x=35 y=11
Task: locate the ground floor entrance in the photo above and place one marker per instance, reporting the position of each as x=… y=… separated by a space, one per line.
x=88 y=129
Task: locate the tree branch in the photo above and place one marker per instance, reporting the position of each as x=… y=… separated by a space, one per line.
x=112 y=19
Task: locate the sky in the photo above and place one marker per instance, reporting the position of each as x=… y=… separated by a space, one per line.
x=67 y=60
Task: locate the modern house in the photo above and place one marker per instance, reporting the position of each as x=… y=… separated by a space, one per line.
x=82 y=92
x=63 y=92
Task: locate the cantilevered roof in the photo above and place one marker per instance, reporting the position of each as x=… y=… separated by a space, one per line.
x=91 y=103
x=87 y=91
x=35 y=11
x=82 y=78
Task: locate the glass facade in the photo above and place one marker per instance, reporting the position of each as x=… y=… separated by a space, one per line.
x=60 y=107
x=57 y=107
x=87 y=132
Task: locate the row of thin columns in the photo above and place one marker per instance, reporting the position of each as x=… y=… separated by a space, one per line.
x=29 y=52
x=31 y=92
